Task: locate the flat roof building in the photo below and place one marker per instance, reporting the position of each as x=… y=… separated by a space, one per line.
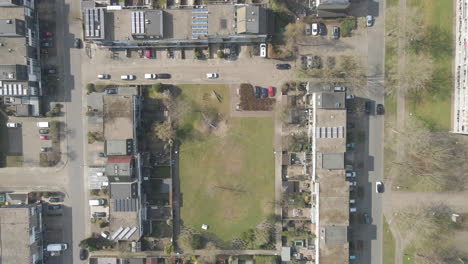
x=20 y=67
x=252 y=20
x=118 y=147
x=20 y=234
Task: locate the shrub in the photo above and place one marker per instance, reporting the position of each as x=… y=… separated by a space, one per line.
x=95 y=243
x=103 y=224
x=168 y=249
x=220 y=54
x=347 y=25
x=90 y=88
x=190 y=241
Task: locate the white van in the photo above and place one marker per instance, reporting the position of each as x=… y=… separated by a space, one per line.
x=151 y=76
x=127 y=77
x=263 y=50
x=56 y=247
x=96 y=202
x=43 y=124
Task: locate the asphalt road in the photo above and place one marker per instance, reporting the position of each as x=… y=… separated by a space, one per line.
x=374 y=164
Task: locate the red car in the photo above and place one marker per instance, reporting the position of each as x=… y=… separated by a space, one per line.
x=148 y=53
x=271 y=92
x=43 y=137
x=47 y=34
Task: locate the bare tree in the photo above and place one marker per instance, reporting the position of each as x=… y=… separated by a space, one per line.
x=164 y=131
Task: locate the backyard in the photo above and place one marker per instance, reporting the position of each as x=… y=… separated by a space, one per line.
x=226 y=165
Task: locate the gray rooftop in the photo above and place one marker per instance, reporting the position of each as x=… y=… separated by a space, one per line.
x=13 y=72
x=331 y=161
x=15 y=225
x=94 y=23
x=154 y=25
x=120 y=147
x=123 y=190
x=331 y=100
x=335 y=235
x=9 y=3
x=252 y=20
x=12 y=28
x=285 y=254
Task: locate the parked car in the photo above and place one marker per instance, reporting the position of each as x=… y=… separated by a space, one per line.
x=43 y=137
x=379 y=187
x=77 y=43
x=322 y=29
x=314 y=29
x=54 y=207
x=308 y=29
x=47 y=44
x=99 y=214
x=350 y=145
x=380 y=109
x=336 y=32
x=366 y=219
x=257 y=91
x=47 y=34
x=43 y=131
x=54 y=200
x=105 y=234
x=127 y=77
x=212 y=75
x=111 y=91
x=103 y=76
x=350 y=96
x=83 y=254
x=164 y=76
x=263 y=50
x=368 y=107
x=271 y=91
x=339 y=89
x=148 y=54
x=264 y=92
x=128 y=54
x=11 y=124
x=51 y=71
x=97 y=202
x=151 y=76
x=350 y=174
x=45 y=149
x=283 y=66
x=369 y=21
x=349 y=125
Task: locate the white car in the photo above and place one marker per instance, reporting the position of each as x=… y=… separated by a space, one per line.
x=103 y=76
x=212 y=75
x=151 y=76
x=379 y=187
x=315 y=29
x=127 y=77
x=10 y=124
x=350 y=174
x=369 y=21
x=263 y=50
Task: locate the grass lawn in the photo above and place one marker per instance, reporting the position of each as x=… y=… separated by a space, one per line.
x=408 y=254
x=433 y=107
x=388 y=245
x=227 y=176
x=14 y=161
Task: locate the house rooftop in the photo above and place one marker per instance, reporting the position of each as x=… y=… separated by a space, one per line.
x=330 y=130
x=118 y=117
x=118 y=147
x=252 y=20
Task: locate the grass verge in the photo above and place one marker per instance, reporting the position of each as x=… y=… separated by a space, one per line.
x=388 y=244
x=14 y=161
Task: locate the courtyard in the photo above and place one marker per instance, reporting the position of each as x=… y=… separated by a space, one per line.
x=226 y=167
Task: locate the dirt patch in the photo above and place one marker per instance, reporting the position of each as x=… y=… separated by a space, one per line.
x=248 y=101
x=221 y=129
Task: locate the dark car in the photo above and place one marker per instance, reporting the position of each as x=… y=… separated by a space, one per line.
x=368 y=107
x=322 y=29
x=99 y=214
x=47 y=44
x=83 y=254
x=380 y=109
x=264 y=92
x=77 y=43
x=164 y=76
x=44 y=131
x=366 y=219
x=257 y=91
x=54 y=199
x=47 y=34
x=283 y=66
x=111 y=91
x=350 y=125
x=51 y=71
x=336 y=32
x=128 y=54
x=55 y=207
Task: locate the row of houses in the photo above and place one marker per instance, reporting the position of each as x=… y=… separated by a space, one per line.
x=20 y=57
x=315 y=176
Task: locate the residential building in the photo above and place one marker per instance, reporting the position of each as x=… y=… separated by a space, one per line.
x=20 y=67
x=330 y=209
x=185 y=27
x=21 y=235
x=127 y=213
